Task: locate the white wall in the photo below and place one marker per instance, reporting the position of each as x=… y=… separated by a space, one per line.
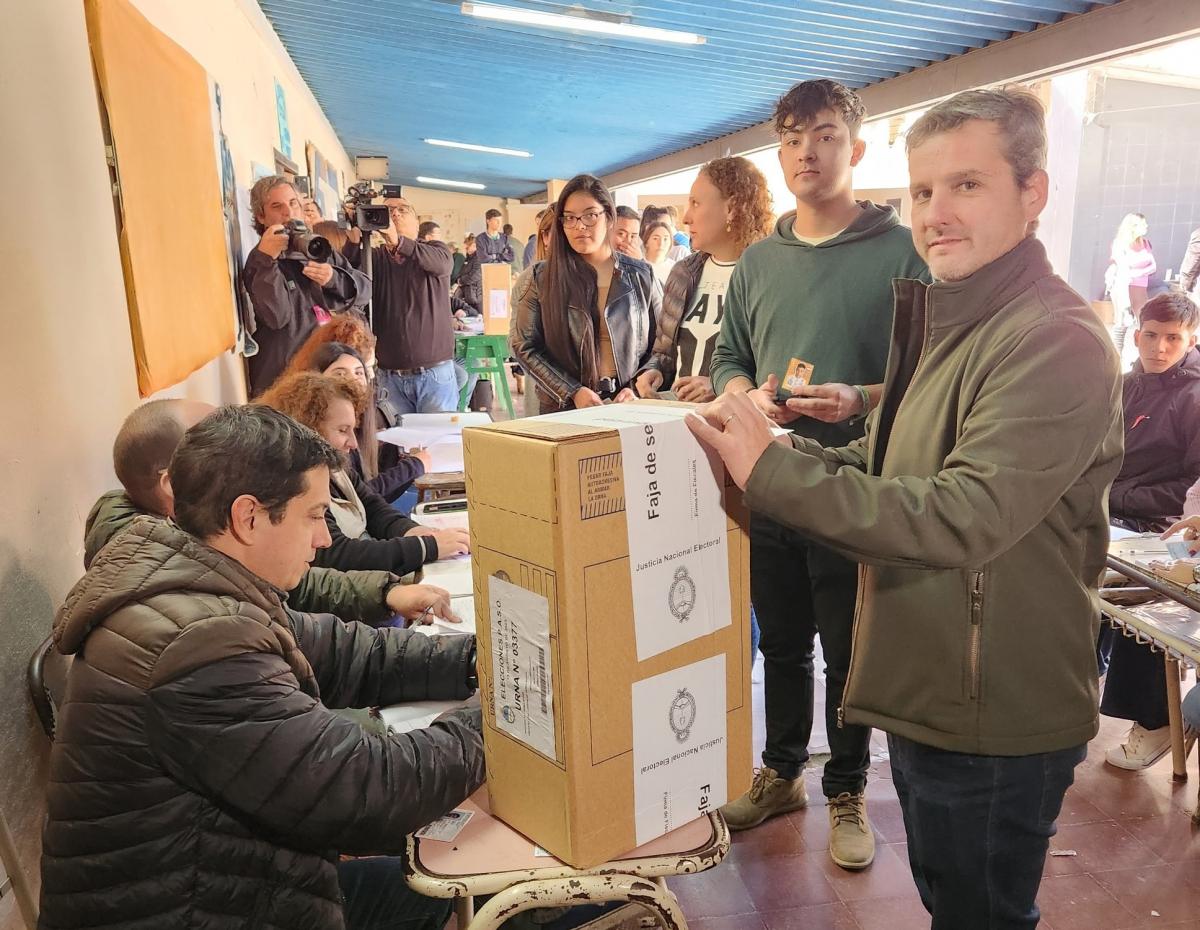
x=68 y=375
x=459 y=213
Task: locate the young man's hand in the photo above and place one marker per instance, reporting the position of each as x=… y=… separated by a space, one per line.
x=422 y=603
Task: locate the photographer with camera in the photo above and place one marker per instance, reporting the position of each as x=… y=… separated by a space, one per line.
x=410 y=304
x=294 y=278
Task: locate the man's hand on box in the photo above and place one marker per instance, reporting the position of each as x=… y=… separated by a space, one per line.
x=321 y=272
x=625 y=396
x=648 y=382
x=737 y=430
x=829 y=403
x=469 y=714
x=274 y=240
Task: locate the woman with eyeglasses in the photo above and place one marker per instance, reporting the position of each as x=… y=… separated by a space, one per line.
x=584 y=319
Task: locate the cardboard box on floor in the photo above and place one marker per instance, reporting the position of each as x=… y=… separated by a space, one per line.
x=497 y=291
x=547 y=514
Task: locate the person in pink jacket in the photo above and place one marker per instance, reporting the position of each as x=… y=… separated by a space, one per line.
x=1131 y=264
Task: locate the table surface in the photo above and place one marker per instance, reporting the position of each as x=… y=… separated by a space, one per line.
x=1166 y=621
x=487 y=845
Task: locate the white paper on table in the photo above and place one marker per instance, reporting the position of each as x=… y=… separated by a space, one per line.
x=422 y=430
x=414 y=715
x=674 y=510
x=446 y=456
x=448 y=520
x=679 y=754
x=452 y=574
x=446 y=827
x=522 y=679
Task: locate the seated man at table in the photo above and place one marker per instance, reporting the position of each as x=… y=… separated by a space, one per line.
x=198 y=776
x=1161 y=401
x=141 y=453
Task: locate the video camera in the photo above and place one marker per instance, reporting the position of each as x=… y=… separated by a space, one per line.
x=304 y=244
x=367 y=216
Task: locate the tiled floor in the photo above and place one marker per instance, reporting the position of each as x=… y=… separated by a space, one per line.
x=1136 y=862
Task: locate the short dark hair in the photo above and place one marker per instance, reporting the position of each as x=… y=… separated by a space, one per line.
x=628 y=213
x=1171 y=307
x=492 y=214
x=808 y=98
x=143 y=448
x=652 y=215
x=240 y=450
x=507 y=229
x=426 y=228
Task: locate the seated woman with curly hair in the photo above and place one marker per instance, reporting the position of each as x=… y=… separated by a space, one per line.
x=367 y=532
x=387 y=471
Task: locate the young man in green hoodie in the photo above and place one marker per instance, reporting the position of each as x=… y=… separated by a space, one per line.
x=976 y=506
x=818 y=291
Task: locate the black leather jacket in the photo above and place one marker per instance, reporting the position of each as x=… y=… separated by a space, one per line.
x=634 y=302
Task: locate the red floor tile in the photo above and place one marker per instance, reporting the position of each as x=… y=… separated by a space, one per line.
x=797 y=881
x=738 y=922
x=1099 y=847
x=906 y=913
x=889 y=876
x=1079 y=902
x=719 y=892
x=818 y=917
x=1172 y=836
x=1163 y=888
x=776 y=837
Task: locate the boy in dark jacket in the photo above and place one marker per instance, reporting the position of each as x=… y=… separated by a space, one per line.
x=199 y=776
x=1161 y=398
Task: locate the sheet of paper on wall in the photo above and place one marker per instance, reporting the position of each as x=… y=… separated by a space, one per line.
x=423 y=430
x=497 y=303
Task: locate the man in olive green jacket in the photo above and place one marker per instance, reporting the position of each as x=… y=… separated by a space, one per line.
x=977 y=507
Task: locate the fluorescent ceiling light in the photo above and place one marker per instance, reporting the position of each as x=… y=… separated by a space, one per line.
x=470 y=146
x=509 y=14
x=442 y=182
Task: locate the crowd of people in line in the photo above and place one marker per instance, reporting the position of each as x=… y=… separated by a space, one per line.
x=938 y=499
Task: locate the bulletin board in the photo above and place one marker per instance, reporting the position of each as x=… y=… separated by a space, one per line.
x=170 y=218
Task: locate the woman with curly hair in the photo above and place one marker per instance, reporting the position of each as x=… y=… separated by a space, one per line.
x=729 y=208
x=367 y=532
x=387 y=470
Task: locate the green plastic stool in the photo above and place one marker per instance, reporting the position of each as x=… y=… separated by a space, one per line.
x=484 y=356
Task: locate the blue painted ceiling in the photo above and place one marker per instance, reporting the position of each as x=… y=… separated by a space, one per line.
x=390 y=73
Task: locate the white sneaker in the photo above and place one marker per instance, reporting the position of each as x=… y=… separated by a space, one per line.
x=1141 y=749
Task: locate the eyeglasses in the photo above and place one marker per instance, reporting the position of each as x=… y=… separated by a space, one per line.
x=586 y=220
x=399 y=211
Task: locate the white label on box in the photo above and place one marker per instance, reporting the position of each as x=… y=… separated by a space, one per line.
x=679 y=751
x=674 y=509
x=498 y=304
x=446 y=827
x=522 y=685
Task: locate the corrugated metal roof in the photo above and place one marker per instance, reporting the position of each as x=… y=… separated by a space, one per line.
x=390 y=73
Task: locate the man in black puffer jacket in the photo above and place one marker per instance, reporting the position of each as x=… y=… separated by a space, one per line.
x=198 y=777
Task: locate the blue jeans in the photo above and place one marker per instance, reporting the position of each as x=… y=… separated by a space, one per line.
x=432 y=391
x=978 y=829
x=376 y=897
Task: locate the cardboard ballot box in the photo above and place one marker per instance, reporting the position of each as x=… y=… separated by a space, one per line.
x=497 y=291
x=612 y=592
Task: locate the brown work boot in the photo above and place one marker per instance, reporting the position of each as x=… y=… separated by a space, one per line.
x=768 y=795
x=851 y=842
